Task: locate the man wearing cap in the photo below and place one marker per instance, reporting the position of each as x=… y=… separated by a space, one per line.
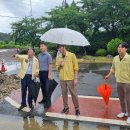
x=45 y=66
x=121 y=69
x=67 y=65
x=28 y=71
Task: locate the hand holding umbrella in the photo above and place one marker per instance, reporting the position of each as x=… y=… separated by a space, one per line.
x=105 y=91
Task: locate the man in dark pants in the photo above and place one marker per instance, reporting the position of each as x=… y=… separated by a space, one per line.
x=29 y=69
x=25 y=83
x=45 y=65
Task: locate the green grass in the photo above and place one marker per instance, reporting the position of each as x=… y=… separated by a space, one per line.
x=92 y=59
x=95 y=59
x=10 y=46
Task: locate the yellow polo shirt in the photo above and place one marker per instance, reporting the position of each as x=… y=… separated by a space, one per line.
x=24 y=65
x=70 y=65
x=121 y=69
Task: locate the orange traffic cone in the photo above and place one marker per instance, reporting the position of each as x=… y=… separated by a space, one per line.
x=3 y=67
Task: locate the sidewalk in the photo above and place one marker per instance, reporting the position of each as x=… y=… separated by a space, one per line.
x=92 y=109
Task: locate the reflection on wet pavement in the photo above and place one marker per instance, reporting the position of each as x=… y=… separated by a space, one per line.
x=37 y=123
x=91 y=76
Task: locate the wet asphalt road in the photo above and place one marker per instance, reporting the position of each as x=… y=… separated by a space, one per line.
x=90 y=77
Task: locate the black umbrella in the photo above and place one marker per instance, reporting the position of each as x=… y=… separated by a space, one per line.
x=50 y=85
x=34 y=90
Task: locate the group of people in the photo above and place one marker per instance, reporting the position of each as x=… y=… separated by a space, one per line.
x=67 y=65
x=32 y=67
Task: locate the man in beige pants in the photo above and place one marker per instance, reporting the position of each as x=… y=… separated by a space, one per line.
x=67 y=65
x=121 y=69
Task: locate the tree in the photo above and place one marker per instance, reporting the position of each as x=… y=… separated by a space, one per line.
x=97 y=36
x=69 y=16
x=5 y=37
x=25 y=31
x=99 y=20
x=107 y=14
x=66 y=16
x=113 y=45
x=108 y=20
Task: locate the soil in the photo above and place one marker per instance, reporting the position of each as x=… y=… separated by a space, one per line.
x=8 y=83
x=6 y=55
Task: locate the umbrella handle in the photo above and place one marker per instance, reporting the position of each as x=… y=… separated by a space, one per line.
x=105 y=86
x=105 y=83
x=36 y=79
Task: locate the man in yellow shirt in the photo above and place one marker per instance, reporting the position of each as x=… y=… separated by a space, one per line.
x=67 y=65
x=29 y=69
x=121 y=69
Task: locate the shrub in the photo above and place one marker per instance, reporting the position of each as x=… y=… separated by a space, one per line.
x=113 y=45
x=101 y=52
x=11 y=44
x=37 y=50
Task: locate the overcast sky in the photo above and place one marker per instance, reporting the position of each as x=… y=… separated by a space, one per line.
x=21 y=8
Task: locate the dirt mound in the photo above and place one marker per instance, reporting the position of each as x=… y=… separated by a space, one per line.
x=6 y=55
x=8 y=83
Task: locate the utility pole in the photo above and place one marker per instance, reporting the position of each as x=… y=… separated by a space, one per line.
x=64 y=2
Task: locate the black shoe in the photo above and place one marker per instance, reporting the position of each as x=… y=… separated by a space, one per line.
x=65 y=110
x=41 y=102
x=77 y=112
x=31 y=107
x=21 y=107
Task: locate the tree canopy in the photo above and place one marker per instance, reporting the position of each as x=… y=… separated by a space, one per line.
x=25 y=31
x=99 y=21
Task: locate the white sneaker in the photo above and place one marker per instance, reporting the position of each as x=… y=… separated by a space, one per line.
x=128 y=120
x=126 y=114
x=121 y=115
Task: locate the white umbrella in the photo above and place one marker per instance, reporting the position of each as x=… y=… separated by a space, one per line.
x=64 y=36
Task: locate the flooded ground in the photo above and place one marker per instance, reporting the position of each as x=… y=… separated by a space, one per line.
x=37 y=123
x=90 y=77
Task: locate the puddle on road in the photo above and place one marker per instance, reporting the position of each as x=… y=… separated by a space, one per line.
x=37 y=123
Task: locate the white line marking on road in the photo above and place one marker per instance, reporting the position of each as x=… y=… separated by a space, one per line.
x=15 y=104
x=90 y=119
x=94 y=97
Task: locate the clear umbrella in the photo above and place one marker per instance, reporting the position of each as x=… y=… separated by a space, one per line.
x=64 y=36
